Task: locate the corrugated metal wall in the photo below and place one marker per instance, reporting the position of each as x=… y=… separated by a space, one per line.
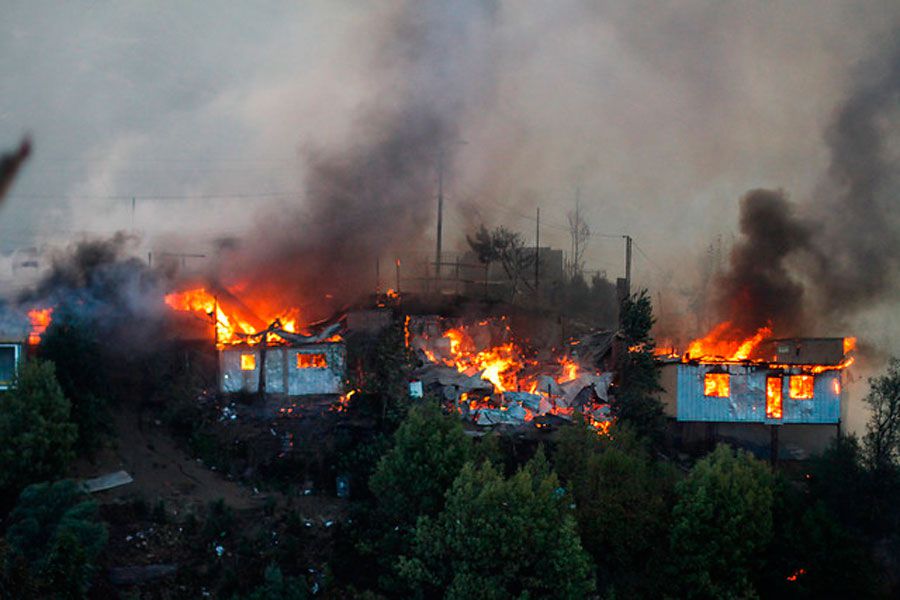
x=282 y=374
x=747 y=400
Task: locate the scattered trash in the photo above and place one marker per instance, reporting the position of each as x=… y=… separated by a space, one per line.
x=343 y=486
x=106 y=482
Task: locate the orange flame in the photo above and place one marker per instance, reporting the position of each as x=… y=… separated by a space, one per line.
x=723 y=344
x=40 y=320
x=499 y=364
x=570 y=370
x=231 y=327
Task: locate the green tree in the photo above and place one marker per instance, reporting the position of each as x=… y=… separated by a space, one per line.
x=622 y=505
x=55 y=531
x=722 y=525
x=507 y=248
x=837 y=479
x=412 y=477
x=71 y=344
x=411 y=480
x=637 y=402
x=812 y=555
x=277 y=587
x=34 y=425
x=500 y=538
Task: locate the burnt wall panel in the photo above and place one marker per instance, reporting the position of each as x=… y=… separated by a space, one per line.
x=233 y=378
x=283 y=375
x=316 y=380
x=275 y=370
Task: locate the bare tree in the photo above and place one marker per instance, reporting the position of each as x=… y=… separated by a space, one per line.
x=579 y=232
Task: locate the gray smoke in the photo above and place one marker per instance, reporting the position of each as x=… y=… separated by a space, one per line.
x=859 y=237
x=376 y=197
x=817 y=263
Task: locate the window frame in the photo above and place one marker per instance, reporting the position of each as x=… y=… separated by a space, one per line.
x=712 y=376
x=809 y=389
x=317 y=360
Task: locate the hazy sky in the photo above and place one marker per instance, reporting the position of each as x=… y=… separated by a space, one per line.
x=663 y=114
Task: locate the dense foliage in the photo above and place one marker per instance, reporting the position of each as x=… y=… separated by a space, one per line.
x=622 y=503
x=500 y=538
x=54 y=532
x=38 y=436
x=721 y=525
x=72 y=345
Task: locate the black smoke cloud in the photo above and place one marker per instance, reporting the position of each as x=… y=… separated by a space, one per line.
x=95 y=284
x=815 y=264
x=759 y=289
x=375 y=197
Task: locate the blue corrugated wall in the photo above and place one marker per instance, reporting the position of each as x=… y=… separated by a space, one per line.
x=747 y=402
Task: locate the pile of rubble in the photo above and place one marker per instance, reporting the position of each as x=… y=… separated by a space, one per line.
x=477 y=370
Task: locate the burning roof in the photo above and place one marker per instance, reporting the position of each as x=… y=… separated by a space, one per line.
x=234 y=322
x=723 y=344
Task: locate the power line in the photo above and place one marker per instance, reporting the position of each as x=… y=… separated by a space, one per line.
x=648 y=259
x=151 y=196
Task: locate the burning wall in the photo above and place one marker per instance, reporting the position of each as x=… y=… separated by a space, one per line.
x=769 y=381
x=289 y=358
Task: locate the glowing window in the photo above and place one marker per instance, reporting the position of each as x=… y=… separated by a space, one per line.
x=248 y=362
x=717 y=385
x=773 y=397
x=802 y=387
x=311 y=361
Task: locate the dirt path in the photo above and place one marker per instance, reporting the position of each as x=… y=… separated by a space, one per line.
x=161 y=470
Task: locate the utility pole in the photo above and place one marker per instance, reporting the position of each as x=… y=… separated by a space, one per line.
x=440 y=215
x=537 y=253
x=627 y=265
x=440 y=206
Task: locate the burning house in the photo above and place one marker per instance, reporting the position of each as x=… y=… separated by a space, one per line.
x=767 y=392
x=298 y=365
x=272 y=355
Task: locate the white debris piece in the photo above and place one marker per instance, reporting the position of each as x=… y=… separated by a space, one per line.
x=106 y=482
